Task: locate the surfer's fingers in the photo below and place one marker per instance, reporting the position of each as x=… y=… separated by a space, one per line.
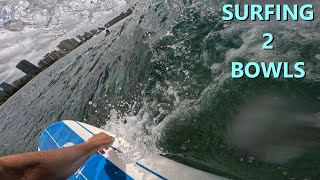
x=102 y=137
x=101 y=151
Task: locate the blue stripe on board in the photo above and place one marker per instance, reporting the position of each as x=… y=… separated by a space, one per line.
x=84 y=127
x=140 y=165
x=149 y=170
x=96 y=167
x=93 y=133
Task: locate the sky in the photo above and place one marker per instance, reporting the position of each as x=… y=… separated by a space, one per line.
x=30 y=29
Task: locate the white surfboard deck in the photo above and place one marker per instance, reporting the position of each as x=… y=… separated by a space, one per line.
x=114 y=164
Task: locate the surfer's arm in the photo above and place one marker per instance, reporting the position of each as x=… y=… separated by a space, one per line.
x=53 y=164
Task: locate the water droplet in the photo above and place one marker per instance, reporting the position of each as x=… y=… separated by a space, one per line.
x=183 y=147
x=251 y=159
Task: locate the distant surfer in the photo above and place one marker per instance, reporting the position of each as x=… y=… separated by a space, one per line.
x=53 y=164
x=107 y=32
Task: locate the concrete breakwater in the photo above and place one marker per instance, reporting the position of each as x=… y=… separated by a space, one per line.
x=65 y=47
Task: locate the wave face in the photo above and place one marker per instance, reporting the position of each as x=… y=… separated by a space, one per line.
x=162 y=80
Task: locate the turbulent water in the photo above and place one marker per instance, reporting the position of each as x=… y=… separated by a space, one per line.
x=162 y=80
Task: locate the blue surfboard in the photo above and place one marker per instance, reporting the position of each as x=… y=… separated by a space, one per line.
x=114 y=164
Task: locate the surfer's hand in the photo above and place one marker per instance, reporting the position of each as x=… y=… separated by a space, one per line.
x=104 y=141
